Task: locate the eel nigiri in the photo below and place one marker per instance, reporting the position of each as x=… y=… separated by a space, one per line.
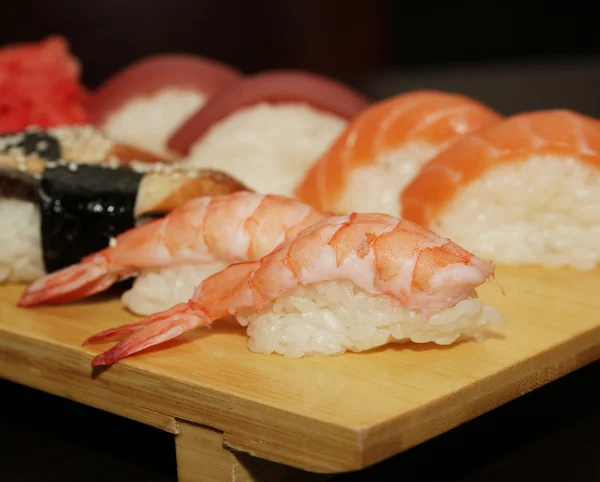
x=144 y=103
x=383 y=147
x=345 y=283
x=268 y=128
x=173 y=254
x=524 y=191
x=54 y=211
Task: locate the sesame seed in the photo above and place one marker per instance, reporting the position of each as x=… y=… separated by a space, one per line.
x=41 y=146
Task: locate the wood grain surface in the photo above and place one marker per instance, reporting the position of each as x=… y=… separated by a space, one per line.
x=323 y=415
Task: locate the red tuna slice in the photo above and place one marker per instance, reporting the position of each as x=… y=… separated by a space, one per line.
x=275 y=87
x=40 y=86
x=150 y=76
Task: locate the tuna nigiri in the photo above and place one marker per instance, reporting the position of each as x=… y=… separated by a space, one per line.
x=144 y=103
x=382 y=149
x=524 y=191
x=268 y=128
x=349 y=283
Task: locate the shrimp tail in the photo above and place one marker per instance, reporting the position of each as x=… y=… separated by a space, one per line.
x=154 y=330
x=68 y=284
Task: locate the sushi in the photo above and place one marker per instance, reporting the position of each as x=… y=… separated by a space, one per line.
x=523 y=191
x=172 y=255
x=54 y=212
x=40 y=84
x=268 y=128
x=144 y=103
x=383 y=147
x=346 y=283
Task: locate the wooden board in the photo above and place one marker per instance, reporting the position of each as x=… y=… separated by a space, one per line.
x=322 y=415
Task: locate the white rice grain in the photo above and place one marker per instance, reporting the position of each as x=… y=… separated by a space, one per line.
x=147 y=122
x=269 y=147
x=349 y=319
x=21 y=253
x=158 y=289
x=545 y=210
x=376 y=187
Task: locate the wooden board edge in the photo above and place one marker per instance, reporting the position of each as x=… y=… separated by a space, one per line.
x=63 y=371
x=202 y=455
x=480 y=398
x=59 y=370
x=17 y=367
x=327 y=463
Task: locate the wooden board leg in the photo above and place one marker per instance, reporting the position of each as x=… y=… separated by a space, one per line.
x=201 y=456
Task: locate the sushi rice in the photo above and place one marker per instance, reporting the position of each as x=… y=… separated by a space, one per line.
x=544 y=210
x=385 y=179
x=333 y=317
x=148 y=122
x=268 y=146
x=158 y=289
x=21 y=253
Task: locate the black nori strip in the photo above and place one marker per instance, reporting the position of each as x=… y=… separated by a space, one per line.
x=32 y=142
x=82 y=209
x=15 y=184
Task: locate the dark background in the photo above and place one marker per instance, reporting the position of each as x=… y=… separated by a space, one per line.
x=515 y=56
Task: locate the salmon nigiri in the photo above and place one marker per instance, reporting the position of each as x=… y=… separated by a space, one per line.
x=382 y=149
x=525 y=191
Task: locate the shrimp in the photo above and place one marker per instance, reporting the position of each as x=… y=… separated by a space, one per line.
x=381 y=254
x=242 y=226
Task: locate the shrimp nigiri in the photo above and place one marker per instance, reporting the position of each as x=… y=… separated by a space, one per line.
x=173 y=254
x=525 y=191
x=345 y=283
x=383 y=147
